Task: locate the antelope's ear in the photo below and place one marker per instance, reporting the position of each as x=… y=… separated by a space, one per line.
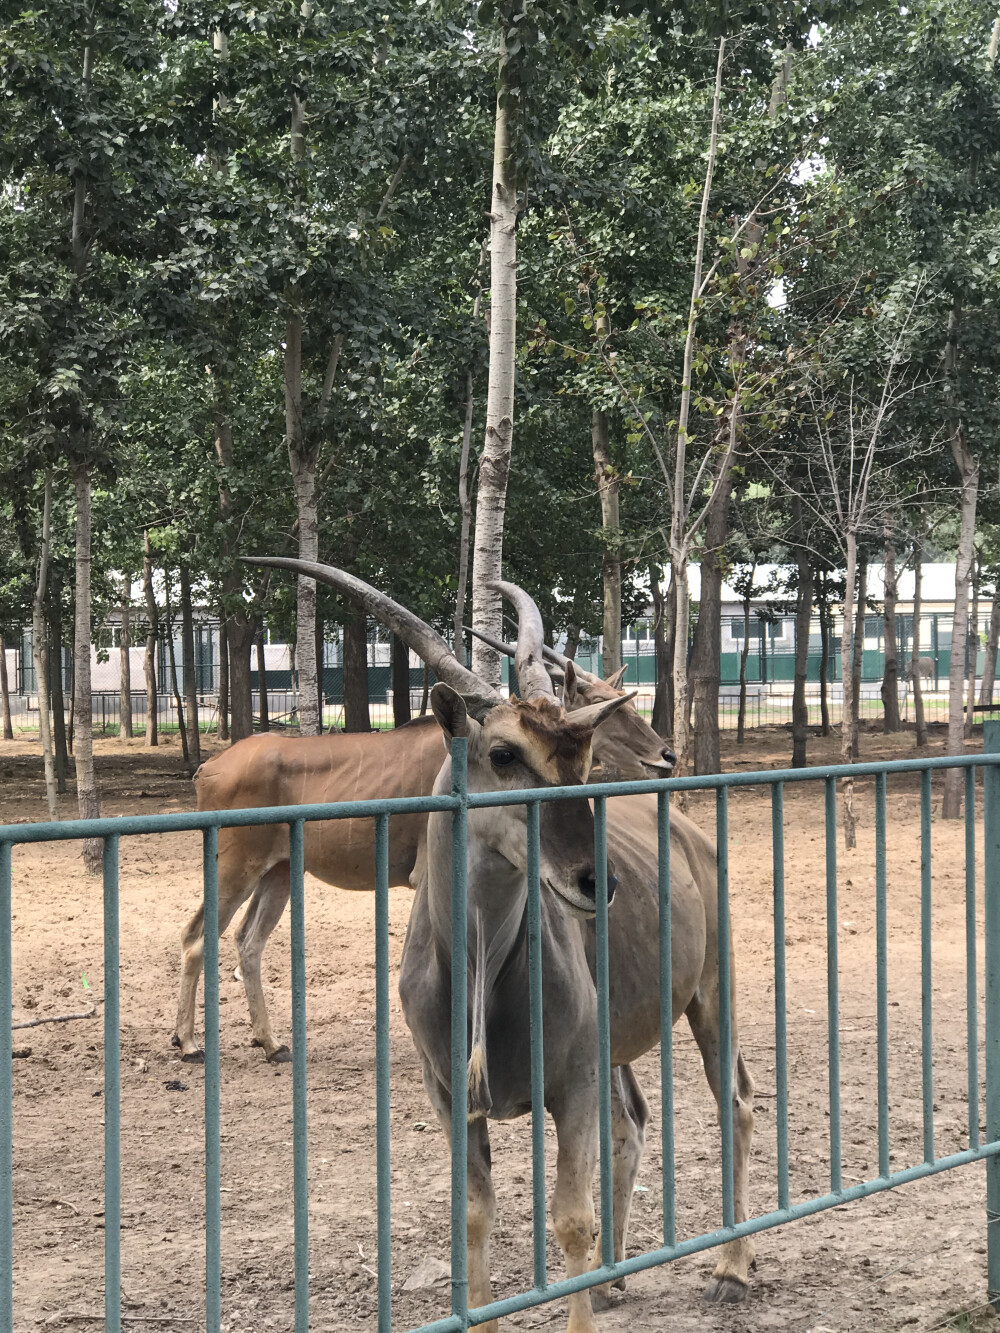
x=569 y=685
x=593 y=715
x=453 y=717
x=616 y=678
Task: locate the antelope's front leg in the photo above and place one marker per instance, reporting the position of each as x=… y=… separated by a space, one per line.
x=482 y=1205
x=573 y=1197
x=482 y=1211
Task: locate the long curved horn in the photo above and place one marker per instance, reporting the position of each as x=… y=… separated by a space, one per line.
x=414 y=632
x=528 y=656
x=556 y=673
x=551 y=655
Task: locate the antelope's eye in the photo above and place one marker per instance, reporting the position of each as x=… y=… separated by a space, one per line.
x=501 y=758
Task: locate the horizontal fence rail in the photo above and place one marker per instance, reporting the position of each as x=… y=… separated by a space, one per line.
x=459 y=801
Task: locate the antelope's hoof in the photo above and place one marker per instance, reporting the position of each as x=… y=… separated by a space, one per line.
x=601 y=1298
x=726 y=1290
x=193 y=1057
x=282 y=1056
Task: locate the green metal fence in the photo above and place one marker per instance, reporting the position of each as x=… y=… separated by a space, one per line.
x=459 y=802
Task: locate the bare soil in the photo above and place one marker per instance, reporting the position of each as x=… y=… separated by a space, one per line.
x=915 y=1256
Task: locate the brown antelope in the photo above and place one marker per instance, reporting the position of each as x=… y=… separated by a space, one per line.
x=287 y=770
x=535 y=743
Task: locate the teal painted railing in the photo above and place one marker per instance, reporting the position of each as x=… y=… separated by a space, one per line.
x=459 y=802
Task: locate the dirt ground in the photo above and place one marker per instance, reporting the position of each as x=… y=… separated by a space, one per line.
x=912 y=1257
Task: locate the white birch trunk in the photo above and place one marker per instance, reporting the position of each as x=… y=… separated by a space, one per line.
x=682 y=623
x=39 y=656
x=83 y=742
x=124 y=644
x=920 y=721
x=494 y=466
x=846 y=681
x=607 y=489
x=968 y=471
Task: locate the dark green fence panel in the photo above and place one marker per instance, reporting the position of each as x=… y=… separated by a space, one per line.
x=459 y=801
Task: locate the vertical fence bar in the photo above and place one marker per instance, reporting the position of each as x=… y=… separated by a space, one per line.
x=991 y=896
x=666 y=1018
x=112 y=1098
x=604 y=1027
x=971 y=1013
x=6 y=1100
x=725 y=1004
x=537 y=1048
x=382 y=1142
x=213 y=1174
x=300 y=1144
x=832 y=983
x=459 y=1033
x=780 y=1000
x=881 y=977
x=926 y=1013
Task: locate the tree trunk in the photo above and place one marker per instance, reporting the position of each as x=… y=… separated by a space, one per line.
x=706 y=652
x=152 y=635
x=39 y=654
x=857 y=656
x=990 y=658
x=357 y=715
x=83 y=746
x=464 y=499
x=465 y=508
x=824 y=657
x=400 y=682
x=265 y=716
x=663 y=622
x=72 y=704
x=319 y=668
x=972 y=652
x=425 y=690
x=174 y=683
x=190 y=671
x=223 y=677
x=55 y=659
x=8 y=725
x=124 y=644
x=918 y=689
x=846 y=681
x=954 y=781
x=890 y=675
x=611 y=565
x=741 y=717
x=803 y=619
x=240 y=637
x=302 y=458
x=303 y=464
x=494 y=465
x=682 y=621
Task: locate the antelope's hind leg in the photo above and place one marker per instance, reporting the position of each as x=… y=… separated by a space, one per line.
x=629 y=1117
x=731 y=1276
x=234 y=889
x=262 y=916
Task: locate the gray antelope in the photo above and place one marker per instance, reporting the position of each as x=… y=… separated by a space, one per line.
x=290 y=770
x=920 y=666
x=534 y=743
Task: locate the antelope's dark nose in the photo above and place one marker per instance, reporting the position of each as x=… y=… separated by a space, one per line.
x=587 y=883
x=668 y=755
